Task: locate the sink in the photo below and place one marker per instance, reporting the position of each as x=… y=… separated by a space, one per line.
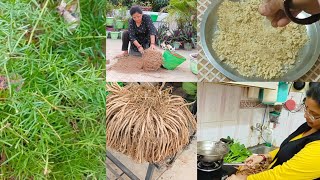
x=261 y=149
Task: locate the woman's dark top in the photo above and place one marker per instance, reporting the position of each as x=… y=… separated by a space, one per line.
x=141 y=33
x=289 y=148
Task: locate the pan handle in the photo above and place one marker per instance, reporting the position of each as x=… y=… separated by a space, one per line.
x=228 y=141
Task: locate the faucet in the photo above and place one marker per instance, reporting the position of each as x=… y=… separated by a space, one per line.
x=258 y=127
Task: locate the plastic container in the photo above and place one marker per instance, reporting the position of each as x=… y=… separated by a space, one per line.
x=109 y=21
x=268 y=133
x=176 y=45
x=172 y=60
x=188 y=46
x=119 y=24
x=193 y=63
x=114 y=35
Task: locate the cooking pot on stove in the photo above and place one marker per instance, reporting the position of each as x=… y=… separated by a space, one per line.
x=211 y=151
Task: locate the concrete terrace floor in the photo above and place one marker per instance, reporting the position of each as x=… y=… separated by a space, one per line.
x=184 y=167
x=181 y=74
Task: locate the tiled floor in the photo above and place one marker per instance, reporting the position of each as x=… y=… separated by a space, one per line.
x=180 y=74
x=184 y=167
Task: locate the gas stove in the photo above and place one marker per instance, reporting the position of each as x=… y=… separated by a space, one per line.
x=214 y=171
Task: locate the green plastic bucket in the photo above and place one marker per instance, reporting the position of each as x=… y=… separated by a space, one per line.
x=119 y=24
x=109 y=21
x=114 y=35
x=154 y=17
x=172 y=60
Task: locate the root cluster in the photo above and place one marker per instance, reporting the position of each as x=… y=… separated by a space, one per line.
x=146 y=122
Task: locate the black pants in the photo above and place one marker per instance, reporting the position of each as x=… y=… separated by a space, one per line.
x=126 y=41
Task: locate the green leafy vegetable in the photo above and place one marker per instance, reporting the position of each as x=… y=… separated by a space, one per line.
x=238 y=152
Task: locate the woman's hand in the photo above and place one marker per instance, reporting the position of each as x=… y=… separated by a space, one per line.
x=253 y=160
x=274 y=10
x=237 y=177
x=140 y=49
x=153 y=46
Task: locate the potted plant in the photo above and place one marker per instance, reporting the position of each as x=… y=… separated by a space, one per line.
x=126 y=23
x=158 y=5
x=146 y=6
x=178 y=37
x=189 y=34
x=164 y=35
x=115 y=34
x=182 y=12
x=119 y=23
x=109 y=10
x=120 y=16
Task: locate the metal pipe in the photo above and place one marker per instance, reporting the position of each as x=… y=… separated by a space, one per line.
x=150 y=171
x=114 y=172
x=121 y=166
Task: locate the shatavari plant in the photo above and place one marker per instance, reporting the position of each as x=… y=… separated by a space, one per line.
x=52 y=98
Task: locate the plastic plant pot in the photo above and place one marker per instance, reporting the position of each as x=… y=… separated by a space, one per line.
x=119 y=24
x=176 y=45
x=193 y=63
x=188 y=46
x=114 y=35
x=109 y=21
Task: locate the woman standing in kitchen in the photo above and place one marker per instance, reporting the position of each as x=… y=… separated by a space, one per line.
x=299 y=155
x=141 y=33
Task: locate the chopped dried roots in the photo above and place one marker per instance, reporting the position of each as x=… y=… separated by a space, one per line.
x=247 y=42
x=245 y=170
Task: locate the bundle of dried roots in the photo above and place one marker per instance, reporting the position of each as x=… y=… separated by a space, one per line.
x=245 y=170
x=146 y=122
x=152 y=60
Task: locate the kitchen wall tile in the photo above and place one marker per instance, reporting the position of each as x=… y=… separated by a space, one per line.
x=228 y=129
x=244 y=141
x=210 y=131
x=243 y=131
x=230 y=103
x=296 y=96
x=245 y=116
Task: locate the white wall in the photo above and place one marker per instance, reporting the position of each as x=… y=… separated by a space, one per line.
x=220 y=115
x=289 y=122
